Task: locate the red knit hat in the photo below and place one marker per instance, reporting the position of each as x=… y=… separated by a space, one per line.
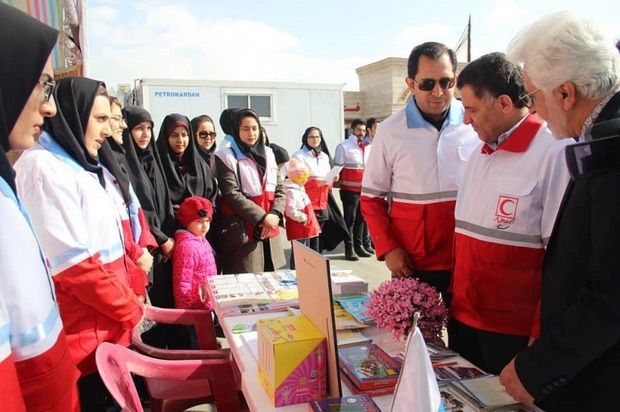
x=194 y=208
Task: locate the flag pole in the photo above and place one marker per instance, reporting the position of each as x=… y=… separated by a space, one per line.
x=416 y=317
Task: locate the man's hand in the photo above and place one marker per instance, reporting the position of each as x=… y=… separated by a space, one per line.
x=513 y=385
x=399 y=263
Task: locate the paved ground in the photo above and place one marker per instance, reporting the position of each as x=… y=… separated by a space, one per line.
x=369 y=269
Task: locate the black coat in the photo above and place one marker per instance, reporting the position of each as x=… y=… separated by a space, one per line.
x=575 y=364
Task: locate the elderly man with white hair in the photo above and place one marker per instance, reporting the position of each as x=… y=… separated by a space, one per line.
x=572 y=74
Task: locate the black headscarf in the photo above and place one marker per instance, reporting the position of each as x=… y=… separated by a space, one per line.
x=256 y=151
x=204 y=154
x=147 y=177
x=75 y=97
x=226 y=120
x=25 y=47
x=198 y=180
x=112 y=156
x=321 y=148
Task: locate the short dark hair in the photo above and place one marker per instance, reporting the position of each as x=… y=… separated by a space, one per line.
x=494 y=74
x=356 y=123
x=370 y=122
x=433 y=51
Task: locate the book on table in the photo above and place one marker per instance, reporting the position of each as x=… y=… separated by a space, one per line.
x=368 y=366
x=485 y=394
x=451 y=371
x=345 y=320
x=351 y=337
x=346 y=282
x=355 y=304
x=452 y=400
x=354 y=403
x=388 y=390
x=254 y=292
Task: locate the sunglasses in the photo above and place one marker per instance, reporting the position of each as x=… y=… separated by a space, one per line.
x=527 y=99
x=429 y=84
x=204 y=135
x=48 y=88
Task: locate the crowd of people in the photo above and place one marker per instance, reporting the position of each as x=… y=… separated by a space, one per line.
x=477 y=196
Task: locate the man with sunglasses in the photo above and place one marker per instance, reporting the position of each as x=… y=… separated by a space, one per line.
x=509 y=196
x=417 y=158
x=572 y=73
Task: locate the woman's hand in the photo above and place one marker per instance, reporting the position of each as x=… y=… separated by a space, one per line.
x=145 y=262
x=167 y=248
x=271 y=221
x=268 y=224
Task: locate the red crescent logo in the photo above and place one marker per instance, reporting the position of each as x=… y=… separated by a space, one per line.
x=503 y=204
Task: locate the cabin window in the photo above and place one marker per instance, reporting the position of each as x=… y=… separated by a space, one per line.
x=260 y=103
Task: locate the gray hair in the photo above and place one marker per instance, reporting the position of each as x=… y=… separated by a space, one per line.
x=564 y=47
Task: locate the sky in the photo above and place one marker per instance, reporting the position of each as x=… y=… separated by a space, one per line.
x=319 y=41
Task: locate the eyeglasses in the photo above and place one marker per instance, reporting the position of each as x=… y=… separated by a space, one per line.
x=48 y=88
x=118 y=119
x=204 y=135
x=527 y=99
x=429 y=84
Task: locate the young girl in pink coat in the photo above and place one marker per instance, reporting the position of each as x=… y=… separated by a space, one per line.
x=192 y=260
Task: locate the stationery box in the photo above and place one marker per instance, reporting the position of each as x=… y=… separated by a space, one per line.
x=291 y=360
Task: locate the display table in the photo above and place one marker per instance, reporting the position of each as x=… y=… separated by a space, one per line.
x=254 y=393
x=244 y=348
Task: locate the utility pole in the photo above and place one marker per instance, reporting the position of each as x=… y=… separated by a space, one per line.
x=469 y=40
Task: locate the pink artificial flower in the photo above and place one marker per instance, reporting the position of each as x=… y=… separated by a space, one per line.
x=393 y=304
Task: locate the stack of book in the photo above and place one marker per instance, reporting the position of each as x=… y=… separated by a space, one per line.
x=485 y=394
x=345 y=282
x=368 y=369
x=438 y=353
x=348 y=329
x=355 y=304
x=254 y=292
x=452 y=371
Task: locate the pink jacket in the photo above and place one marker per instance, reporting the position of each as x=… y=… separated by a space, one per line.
x=192 y=263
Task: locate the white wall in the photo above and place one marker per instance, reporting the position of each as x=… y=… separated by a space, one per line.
x=295 y=106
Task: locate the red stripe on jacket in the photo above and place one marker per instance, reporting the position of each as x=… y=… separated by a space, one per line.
x=489 y=294
x=318 y=195
x=297 y=230
x=12 y=399
x=425 y=231
x=96 y=305
x=351 y=175
x=49 y=381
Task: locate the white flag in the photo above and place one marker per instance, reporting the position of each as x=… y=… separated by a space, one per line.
x=417 y=390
